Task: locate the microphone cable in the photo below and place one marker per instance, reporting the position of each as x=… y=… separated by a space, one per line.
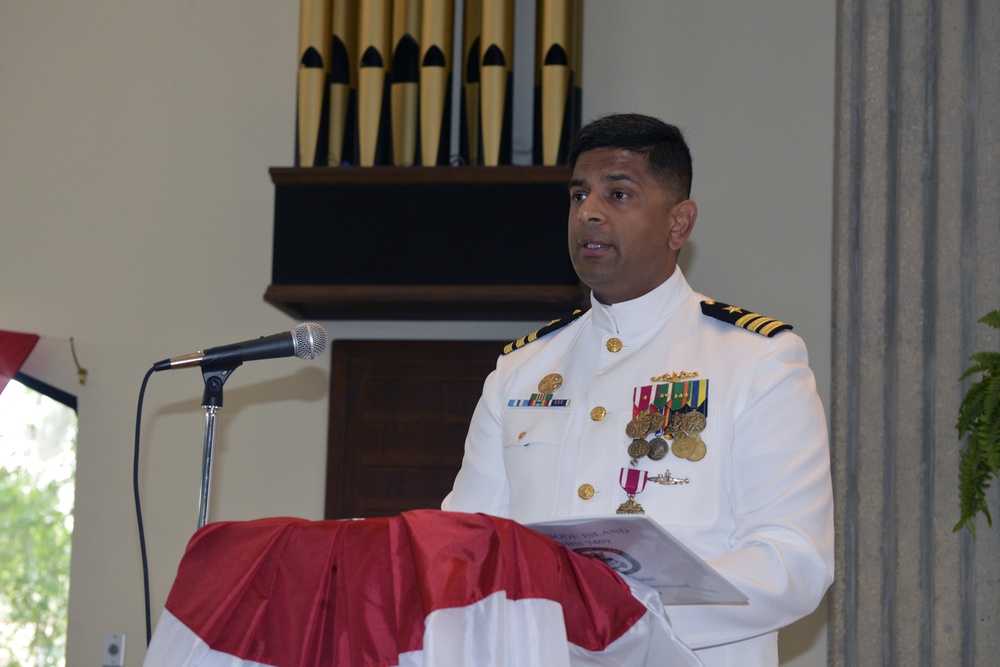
x=138 y=506
x=307 y=341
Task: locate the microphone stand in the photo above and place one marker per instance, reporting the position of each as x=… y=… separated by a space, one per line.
x=218 y=363
x=212 y=402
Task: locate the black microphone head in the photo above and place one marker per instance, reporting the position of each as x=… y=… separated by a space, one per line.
x=310 y=340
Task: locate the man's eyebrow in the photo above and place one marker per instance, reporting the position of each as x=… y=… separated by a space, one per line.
x=607 y=178
x=619 y=177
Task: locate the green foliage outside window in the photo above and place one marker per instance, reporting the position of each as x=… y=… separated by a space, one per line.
x=37 y=467
x=34 y=570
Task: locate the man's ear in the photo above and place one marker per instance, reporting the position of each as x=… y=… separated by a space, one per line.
x=682 y=216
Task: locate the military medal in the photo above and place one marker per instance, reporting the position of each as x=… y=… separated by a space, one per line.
x=699 y=450
x=674 y=425
x=637 y=428
x=654 y=420
x=672 y=411
x=673 y=416
x=638 y=448
x=687 y=438
x=646 y=420
x=684 y=445
x=694 y=422
x=633 y=482
x=658 y=448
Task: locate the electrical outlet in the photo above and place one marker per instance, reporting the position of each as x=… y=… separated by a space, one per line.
x=114 y=650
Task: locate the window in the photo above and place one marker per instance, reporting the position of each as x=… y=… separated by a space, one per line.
x=38 y=426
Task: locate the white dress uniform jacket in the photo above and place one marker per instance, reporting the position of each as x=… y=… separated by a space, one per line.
x=758 y=506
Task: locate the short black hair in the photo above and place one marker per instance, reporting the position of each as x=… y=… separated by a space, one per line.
x=667 y=154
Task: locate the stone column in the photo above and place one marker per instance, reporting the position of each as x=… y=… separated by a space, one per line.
x=916 y=263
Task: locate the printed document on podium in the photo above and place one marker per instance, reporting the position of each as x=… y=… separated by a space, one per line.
x=637 y=547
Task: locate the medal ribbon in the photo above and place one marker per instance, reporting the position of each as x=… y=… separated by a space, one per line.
x=632 y=480
x=679 y=395
x=698 y=392
x=540 y=399
x=662 y=396
x=641 y=397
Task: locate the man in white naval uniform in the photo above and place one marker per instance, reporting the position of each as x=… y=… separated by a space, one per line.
x=703 y=416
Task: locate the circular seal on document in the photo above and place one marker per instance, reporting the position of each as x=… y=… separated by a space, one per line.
x=619 y=561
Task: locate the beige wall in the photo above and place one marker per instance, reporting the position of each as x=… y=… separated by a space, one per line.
x=135 y=209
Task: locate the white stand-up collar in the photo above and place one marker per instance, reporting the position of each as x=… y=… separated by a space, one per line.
x=650 y=309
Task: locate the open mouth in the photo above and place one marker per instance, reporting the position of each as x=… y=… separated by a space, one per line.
x=590 y=247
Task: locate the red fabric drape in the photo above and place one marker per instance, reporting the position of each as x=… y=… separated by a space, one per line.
x=14 y=349
x=287 y=591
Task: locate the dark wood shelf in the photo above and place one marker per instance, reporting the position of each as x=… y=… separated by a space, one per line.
x=422 y=243
x=510 y=174
x=426 y=302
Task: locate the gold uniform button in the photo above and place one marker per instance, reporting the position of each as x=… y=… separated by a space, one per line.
x=586 y=492
x=521 y=434
x=598 y=413
x=614 y=345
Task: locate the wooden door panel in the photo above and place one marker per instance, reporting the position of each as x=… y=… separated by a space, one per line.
x=399 y=413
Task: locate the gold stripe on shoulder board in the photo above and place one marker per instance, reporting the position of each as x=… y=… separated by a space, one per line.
x=743 y=318
x=554 y=325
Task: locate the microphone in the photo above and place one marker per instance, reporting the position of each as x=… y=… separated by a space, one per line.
x=305 y=341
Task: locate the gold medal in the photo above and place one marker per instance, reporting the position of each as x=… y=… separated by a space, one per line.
x=658 y=448
x=654 y=421
x=638 y=448
x=550 y=383
x=694 y=422
x=630 y=507
x=637 y=428
x=699 y=449
x=684 y=446
x=674 y=426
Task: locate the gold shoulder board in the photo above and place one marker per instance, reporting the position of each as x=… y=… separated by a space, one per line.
x=554 y=325
x=743 y=318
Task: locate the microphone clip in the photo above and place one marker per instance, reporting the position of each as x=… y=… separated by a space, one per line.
x=214 y=379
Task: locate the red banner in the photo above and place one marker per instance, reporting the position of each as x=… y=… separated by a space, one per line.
x=14 y=349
